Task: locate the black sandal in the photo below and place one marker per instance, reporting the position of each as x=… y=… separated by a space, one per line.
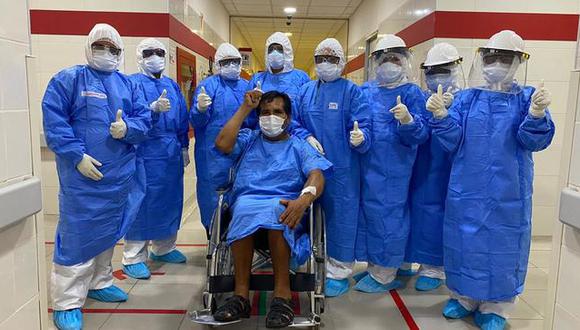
x=281 y=313
x=233 y=309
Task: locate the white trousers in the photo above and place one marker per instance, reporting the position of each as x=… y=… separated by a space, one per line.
x=383 y=275
x=135 y=252
x=432 y=271
x=70 y=284
x=338 y=270
x=501 y=308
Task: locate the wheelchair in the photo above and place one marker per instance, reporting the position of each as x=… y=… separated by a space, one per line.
x=220 y=270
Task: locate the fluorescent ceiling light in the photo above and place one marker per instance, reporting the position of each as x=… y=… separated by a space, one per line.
x=288 y=34
x=290 y=10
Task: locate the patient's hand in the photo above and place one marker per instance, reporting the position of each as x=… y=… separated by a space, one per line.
x=294 y=211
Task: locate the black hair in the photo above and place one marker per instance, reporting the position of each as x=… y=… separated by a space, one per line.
x=270 y=96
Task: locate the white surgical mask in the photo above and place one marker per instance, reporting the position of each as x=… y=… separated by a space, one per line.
x=231 y=71
x=497 y=73
x=327 y=71
x=388 y=73
x=276 y=60
x=272 y=125
x=154 y=64
x=103 y=60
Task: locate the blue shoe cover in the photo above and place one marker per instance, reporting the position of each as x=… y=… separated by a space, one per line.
x=68 y=320
x=173 y=257
x=369 y=285
x=489 y=321
x=425 y=283
x=406 y=272
x=359 y=276
x=139 y=271
x=335 y=288
x=110 y=294
x=454 y=310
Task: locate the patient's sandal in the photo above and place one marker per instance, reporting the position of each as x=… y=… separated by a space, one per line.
x=281 y=313
x=233 y=309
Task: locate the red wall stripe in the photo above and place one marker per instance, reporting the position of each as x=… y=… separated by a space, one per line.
x=183 y=35
x=355 y=64
x=420 y=31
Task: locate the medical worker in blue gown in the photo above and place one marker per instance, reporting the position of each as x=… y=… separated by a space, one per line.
x=397 y=130
x=216 y=99
x=278 y=176
x=93 y=118
x=328 y=109
x=431 y=174
x=492 y=129
x=164 y=154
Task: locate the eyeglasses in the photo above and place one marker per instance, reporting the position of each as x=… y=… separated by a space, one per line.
x=503 y=58
x=150 y=52
x=111 y=49
x=228 y=61
x=326 y=58
x=275 y=47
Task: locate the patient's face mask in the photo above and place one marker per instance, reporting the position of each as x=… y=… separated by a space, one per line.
x=272 y=125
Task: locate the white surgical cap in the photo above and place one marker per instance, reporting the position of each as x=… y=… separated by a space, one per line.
x=103 y=32
x=149 y=43
x=281 y=39
x=331 y=47
x=224 y=51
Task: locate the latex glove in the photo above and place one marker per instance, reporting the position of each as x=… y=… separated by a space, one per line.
x=162 y=104
x=401 y=112
x=118 y=128
x=541 y=99
x=315 y=144
x=448 y=98
x=185 y=154
x=356 y=135
x=436 y=104
x=87 y=168
x=259 y=87
x=203 y=100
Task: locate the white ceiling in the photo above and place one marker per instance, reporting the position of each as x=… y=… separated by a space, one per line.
x=305 y=8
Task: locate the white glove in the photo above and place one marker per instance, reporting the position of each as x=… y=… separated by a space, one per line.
x=315 y=144
x=448 y=98
x=436 y=104
x=203 y=100
x=162 y=104
x=259 y=86
x=401 y=112
x=185 y=154
x=87 y=168
x=541 y=99
x=356 y=135
x=118 y=128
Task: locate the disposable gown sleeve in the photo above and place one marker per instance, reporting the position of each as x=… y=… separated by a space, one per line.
x=56 y=109
x=312 y=160
x=361 y=112
x=418 y=131
x=139 y=119
x=296 y=126
x=449 y=131
x=200 y=119
x=183 y=129
x=535 y=134
x=245 y=135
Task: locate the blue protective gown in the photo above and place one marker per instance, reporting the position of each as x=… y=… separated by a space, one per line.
x=287 y=82
x=487 y=226
x=78 y=108
x=386 y=172
x=328 y=111
x=213 y=171
x=268 y=172
x=427 y=195
x=160 y=214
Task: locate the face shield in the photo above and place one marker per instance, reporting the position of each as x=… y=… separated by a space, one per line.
x=499 y=70
x=449 y=75
x=391 y=67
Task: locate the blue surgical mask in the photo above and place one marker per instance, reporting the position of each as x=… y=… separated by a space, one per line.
x=154 y=64
x=231 y=71
x=276 y=60
x=388 y=73
x=443 y=79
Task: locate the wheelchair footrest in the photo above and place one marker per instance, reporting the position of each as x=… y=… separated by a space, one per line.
x=299 y=282
x=205 y=317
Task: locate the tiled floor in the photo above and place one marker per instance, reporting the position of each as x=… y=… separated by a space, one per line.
x=161 y=302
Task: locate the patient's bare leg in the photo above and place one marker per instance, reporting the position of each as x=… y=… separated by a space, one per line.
x=281 y=261
x=243 y=251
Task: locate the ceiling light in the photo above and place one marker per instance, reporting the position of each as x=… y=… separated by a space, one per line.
x=288 y=34
x=195 y=31
x=290 y=10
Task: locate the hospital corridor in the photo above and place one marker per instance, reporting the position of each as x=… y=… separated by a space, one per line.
x=270 y=164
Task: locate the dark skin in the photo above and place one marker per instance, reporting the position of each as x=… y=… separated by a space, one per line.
x=243 y=250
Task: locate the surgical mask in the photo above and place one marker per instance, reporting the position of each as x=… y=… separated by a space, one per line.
x=103 y=60
x=231 y=71
x=388 y=73
x=496 y=72
x=276 y=60
x=154 y=64
x=434 y=80
x=272 y=125
x=327 y=71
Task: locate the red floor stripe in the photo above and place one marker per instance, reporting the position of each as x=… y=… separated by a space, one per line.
x=178 y=245
x=296 y=303
x=404 y=310
x=131 y=311
x=255 y=303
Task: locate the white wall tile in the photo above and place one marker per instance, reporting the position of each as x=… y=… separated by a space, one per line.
x=14 y=18
x=543 y=220
x=15 y=128
x=50 y=200
x=546 y=190
x=569 y=278
x=575 y=161
x=26 y=318
x=456 y=5
x=563 y=320
x=542 y=64
x=13 y=94
x=547 y=162
x=571 y=239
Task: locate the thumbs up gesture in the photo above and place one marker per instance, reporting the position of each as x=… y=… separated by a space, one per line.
x=118 y=128
x=448 y=97
x=541 y=99
x=357 y=137
x=203 y=100
x=436 y=104
x=162 y=104
x=259 y=86
x=401 y=112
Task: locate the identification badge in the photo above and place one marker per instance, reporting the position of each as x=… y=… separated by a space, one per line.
x=94 y=94
x=333 y=106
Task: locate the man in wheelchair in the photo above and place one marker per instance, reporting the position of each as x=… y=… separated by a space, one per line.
x=278 y=177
